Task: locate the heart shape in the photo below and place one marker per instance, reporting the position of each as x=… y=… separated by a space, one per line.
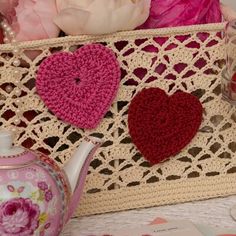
x=161 y=125
x=79 y=87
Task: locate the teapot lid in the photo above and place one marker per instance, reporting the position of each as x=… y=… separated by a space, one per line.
x=11 y=156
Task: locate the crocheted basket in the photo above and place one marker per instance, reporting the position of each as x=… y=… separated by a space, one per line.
x=185 y=58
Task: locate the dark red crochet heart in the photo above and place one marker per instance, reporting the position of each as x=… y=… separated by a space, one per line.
x=161 y=125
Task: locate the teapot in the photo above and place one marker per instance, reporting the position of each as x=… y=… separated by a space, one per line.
x=37 y=197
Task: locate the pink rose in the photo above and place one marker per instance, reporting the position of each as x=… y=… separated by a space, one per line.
x=34 y=20
x=19 y=217
x=171 y=13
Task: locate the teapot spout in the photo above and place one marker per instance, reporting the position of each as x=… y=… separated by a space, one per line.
x=77 y=167
x=81 y=156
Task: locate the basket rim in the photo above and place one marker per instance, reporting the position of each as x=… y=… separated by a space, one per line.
x=144 y=32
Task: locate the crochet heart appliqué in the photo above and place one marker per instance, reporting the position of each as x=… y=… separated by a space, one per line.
x=161 y=125
x=79 y=87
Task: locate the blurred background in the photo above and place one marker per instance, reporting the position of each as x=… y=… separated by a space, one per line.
x=230 y=3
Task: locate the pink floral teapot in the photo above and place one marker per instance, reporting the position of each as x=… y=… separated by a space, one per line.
x=35 y=194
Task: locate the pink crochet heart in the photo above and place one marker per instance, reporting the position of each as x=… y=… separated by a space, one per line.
x=79 y=87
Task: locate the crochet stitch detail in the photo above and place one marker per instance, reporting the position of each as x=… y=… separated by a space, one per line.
x=79 y=87
x=161 y=126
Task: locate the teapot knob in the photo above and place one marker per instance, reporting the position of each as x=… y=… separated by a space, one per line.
x=6 y=145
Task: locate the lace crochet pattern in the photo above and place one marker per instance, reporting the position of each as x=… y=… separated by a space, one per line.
x=160 y=126
x=79 y=87
x=119 y=177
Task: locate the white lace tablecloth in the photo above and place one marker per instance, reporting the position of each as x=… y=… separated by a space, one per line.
x=215 y=212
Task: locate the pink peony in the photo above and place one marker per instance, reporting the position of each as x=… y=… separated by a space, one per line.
x=19 y=217
x=170 y=13
x=34 y=20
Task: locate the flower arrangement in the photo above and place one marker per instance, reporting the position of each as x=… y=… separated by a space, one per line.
x=41 y=19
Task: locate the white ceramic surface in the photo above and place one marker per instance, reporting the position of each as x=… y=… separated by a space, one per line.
x=6 y=148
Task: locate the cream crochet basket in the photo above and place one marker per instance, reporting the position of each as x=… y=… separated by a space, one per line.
x=185 y=58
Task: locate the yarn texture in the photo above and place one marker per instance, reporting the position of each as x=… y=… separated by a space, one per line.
x=204 y=169
x=161 y=126
x=79 y=87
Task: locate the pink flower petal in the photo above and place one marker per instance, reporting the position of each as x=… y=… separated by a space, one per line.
x=171 y=13
x=35 y=20
x=7 y=9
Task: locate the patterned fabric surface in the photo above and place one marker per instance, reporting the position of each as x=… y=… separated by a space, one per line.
x=197 y=212
x=186 y=58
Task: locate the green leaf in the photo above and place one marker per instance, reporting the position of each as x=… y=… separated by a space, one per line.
x=41 y=196
x=43 y=218
x=33 y=195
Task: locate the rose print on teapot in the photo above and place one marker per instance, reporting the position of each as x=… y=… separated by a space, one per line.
x=19 y=216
